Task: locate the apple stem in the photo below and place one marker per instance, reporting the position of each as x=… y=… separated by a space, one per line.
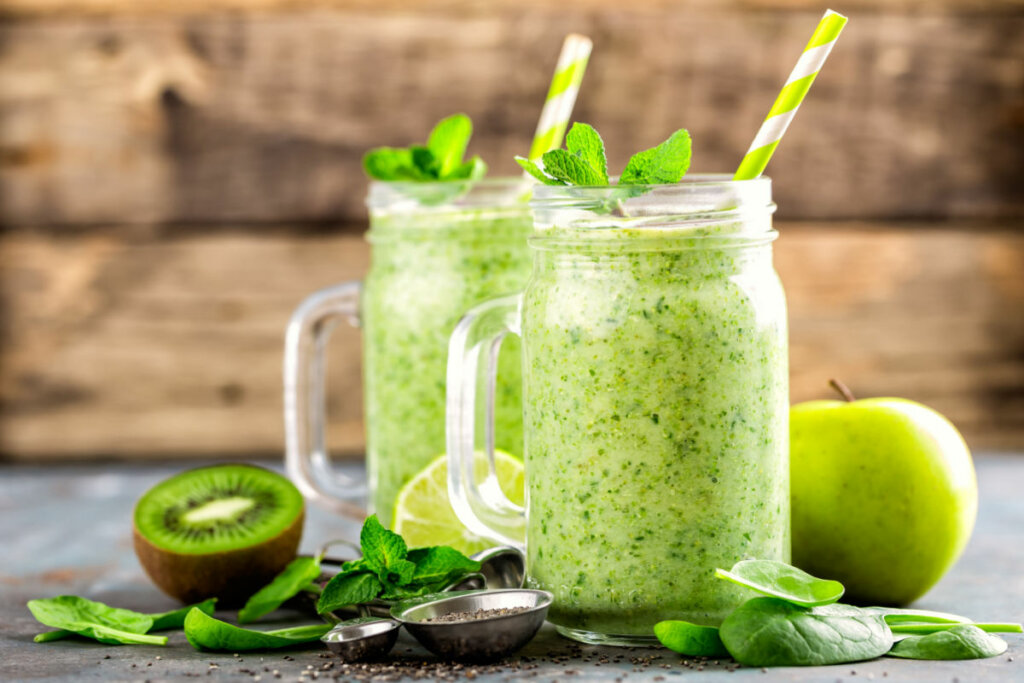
x=843 y=390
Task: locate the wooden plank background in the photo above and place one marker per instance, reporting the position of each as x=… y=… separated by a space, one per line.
x=175 y=177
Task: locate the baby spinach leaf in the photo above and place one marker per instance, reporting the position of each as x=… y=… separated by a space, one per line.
x=350 y=589
x=784 y=581
x=925 y=628
x=896 y=615
x=299 y=573
x=584 y=142
x=962 y=641
x=93 y=620
x=775 y=632
x=175 y=619
x=161 y=621
x=206 y=633
x=690 y=639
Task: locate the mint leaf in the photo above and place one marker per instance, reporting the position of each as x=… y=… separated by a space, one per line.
x=448 y=142
x=350 y=589
x=439 y=563
x=533 y=169
x=666 y=163
x=389 y=163
x=296 y=576
x=384 y=552
x=563 y=165
x=474 y=169
x=584 y=142
x=425 y=161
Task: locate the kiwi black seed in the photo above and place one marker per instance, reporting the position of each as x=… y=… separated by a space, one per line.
x=222 y=531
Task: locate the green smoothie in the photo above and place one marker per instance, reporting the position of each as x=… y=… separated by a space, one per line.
x=655 y=370
x=431 y=262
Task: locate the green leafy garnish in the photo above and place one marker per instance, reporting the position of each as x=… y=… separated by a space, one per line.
x=206 y=633
x=352 y=589
x=175 y=619
x=583 y=162
x=389 y=570
x=926 y=628
x=439 y=159
x=784 y=581
x=666 y=163
x=299 y=573
x=773 y=632
x=689 y=639
x=73 y=615
x=962 y=641
x=897 y=615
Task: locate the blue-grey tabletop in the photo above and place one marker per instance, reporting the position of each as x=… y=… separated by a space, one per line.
x=65 y=529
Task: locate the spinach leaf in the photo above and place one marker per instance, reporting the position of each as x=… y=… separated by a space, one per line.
x=784 y=581
x=925 y=628
x=690 y=639
x=895 y=615
x=775 y=632
x=175 y=619
x=962 y=641
x=206 y=633
x=93 y=620
x=86 y=611
x=349 y=589
x=299 y=573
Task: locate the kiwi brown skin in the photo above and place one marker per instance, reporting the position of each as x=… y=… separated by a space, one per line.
x=230 y=576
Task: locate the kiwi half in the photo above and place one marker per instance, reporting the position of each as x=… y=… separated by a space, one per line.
x=223 y=531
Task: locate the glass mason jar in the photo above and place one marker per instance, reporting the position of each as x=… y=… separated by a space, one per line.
x=655 y=371
x=437 y=250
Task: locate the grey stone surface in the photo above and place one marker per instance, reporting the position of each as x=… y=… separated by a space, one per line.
x=66 y=529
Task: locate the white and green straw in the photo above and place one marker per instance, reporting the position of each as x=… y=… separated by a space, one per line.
x=565 y=86
x=786 y=104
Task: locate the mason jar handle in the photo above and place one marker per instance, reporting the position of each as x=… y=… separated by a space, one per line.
x=480 y=504
x=305 y=422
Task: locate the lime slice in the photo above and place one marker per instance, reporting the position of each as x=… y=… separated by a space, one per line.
x=423 y=515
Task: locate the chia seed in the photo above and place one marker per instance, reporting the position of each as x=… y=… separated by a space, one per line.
x=456 y=617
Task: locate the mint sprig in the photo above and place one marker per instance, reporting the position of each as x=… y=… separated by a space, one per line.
x=583 y=162
x=389 y=570
x=440 y=159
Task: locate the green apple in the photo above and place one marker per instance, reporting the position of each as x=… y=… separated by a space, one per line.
x=884 y=496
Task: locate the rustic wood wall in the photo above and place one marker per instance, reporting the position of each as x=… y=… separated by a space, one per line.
x=175 y=177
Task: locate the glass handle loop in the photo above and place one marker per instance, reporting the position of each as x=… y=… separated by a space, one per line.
x=479 y=503
x=305 y=422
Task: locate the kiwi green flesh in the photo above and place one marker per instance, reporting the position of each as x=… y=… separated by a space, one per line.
x=217 y=509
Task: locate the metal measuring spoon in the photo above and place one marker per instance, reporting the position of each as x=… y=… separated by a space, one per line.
x=362 y=638
x=475 y=639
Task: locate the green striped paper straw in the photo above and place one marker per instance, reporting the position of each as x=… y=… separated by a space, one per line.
x=572 y=64
x=786 y=104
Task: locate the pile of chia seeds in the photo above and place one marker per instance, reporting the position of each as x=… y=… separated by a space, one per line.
x=456 y=617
